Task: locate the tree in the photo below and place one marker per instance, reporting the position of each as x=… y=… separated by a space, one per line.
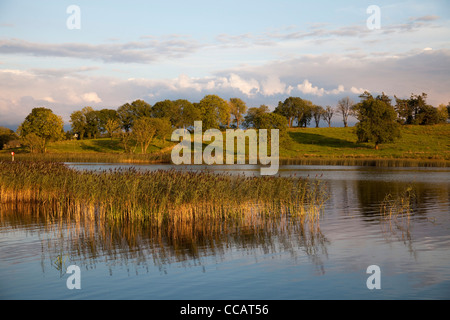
x=377 y=120
x=443 y=112
x=168 y=109
x=78 y=123
x=237 y=109
x=328 y=115
x=345 y=108
x=304 y=113
x=252 y=118
x=34 y=142
x=144 y=131
x=215 y=112
x=429 y=115
x=163 y=128
x=317 y=113
x=295 y=108
x=189 y=113
x=6 y=135
x=45 y=125
x=104 y=116
x=128 y=113
x=415 y=110
x=92 y=122
x=272 y=121
x=289 y=109
x=86 y=123
x=112 y=126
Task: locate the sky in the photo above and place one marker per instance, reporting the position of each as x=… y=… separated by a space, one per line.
x=261 y=51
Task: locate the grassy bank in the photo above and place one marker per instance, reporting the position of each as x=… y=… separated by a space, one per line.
x=158 y=195
x=418 y=146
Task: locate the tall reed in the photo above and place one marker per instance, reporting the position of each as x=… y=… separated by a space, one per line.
x=131 y=195
x=396 y=211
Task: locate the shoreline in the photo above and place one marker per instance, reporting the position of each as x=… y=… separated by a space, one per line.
x=165 y=160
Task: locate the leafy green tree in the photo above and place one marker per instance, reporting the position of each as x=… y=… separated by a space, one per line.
x=86 y=123
x=170 y=110
x=252 y=118
x=295 y=108
x=144 y=130
x=6 y=135
x=92 y=122
x=317 y=113
x=128 y=113
x=237 y=109
x=163 y=128
x=377 y=120
x=304 y=113
x=215 y=112
x=443 y=112
x=272 y=121
x=428 y=115
x=78 y=123
x=289 y=109
x=189 y=113
x=43 y=124
x=415 y=110
x=104 y=116
x=112 y=126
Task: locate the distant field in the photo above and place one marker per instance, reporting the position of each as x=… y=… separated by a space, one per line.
x=418 y=146
x=416 y=142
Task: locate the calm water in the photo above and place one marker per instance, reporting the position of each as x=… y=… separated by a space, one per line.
x=280 y=261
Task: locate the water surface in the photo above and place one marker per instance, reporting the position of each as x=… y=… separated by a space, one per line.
x=277 y=260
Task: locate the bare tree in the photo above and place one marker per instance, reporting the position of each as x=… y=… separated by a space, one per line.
x=345 y=108
x=328 y=115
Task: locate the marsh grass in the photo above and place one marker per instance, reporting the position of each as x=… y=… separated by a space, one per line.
x=160 y=196
x=396 y=211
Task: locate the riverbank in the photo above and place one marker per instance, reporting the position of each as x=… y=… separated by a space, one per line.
x=419 y=146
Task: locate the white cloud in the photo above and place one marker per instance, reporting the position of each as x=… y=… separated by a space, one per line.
x=358 y=91
x=322 y=79
x=249 y=88
x=272 y=85
x=91 y=97
x=307 y=88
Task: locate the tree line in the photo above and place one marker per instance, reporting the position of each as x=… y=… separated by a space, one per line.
x=138 y=123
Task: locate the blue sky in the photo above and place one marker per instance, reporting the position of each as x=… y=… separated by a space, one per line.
x=259 y=51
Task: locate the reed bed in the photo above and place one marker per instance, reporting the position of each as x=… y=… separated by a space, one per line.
x=97 y=157
x=161 y=196
x=367 y=162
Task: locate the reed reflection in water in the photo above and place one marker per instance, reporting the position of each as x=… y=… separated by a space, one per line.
x=87 y=239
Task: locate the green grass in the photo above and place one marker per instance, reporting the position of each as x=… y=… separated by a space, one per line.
x=418 y=146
